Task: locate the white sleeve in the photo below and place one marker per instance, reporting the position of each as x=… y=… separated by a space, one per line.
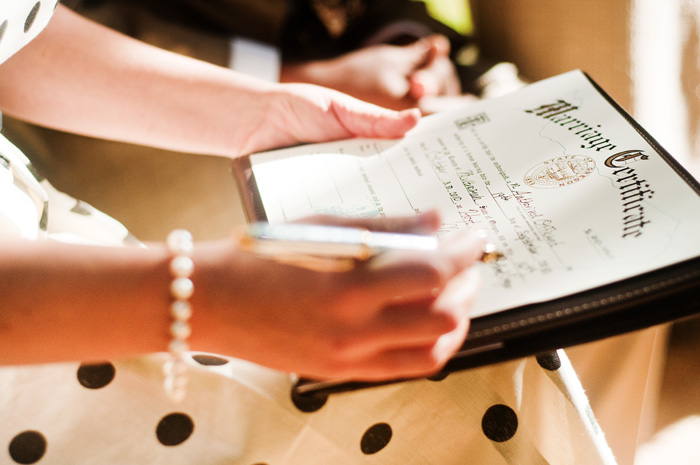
x=255 y=58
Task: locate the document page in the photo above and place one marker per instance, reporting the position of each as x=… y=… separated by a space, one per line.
x=568 y=190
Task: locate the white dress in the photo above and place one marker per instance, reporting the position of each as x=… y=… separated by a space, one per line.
x=530 y=411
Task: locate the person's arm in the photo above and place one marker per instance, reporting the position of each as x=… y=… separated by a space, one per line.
x=402 y=314
x=81 y=77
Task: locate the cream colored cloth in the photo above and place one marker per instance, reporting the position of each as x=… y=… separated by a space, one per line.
x=34 y=210
x=529 y=412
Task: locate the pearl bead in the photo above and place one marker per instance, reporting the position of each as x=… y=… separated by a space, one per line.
x=182 y=288
x=180 y=330
x=178 y=347
x=181 y=310
x=175 y=388
x=175 y=367
x=181 y=266
x=180 y=242
x=180 y=245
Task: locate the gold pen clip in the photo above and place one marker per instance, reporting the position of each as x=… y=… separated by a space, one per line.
x=490 y=253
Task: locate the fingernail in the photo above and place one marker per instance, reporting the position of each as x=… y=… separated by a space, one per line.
x=427 y=222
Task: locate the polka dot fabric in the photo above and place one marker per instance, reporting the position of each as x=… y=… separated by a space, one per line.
x=113 y=412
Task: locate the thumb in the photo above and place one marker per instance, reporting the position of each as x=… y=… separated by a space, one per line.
x=422 y=83
x=428 y=49
x=424 y=51
x=439 y=44
x=362 y=119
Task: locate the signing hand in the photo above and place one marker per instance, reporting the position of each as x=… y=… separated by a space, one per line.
x=399 y=315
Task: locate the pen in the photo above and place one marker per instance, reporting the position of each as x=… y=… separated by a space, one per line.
x=334 y=247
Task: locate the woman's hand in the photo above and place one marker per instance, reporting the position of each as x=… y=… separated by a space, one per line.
x=393 y=76
x=401 y=314
x=297 y=113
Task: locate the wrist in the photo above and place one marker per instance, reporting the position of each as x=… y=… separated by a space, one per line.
x=217 y=280
x=311 y=72
x=179 y=244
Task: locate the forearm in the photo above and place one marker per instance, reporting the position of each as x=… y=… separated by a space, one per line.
x=161 y=98
x=65 y=302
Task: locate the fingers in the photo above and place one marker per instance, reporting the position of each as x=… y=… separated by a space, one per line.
x=394 y=364
x=416 y=361
x=411 y=343
x=421 y=311
x=404 y=326
x=416 y=323
x=310 y=113
x=436 y=75
x=439 y=44
x=362 y=119
x=399 y=315
x=428 y=49
x=421 y=81
x=464 y=247
x=424 y=223
x=418 y=275
x=438 y=79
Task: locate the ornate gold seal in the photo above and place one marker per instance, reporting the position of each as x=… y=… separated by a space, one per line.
x=559 y=172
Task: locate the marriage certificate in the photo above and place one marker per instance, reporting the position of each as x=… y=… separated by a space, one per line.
x=570 y=192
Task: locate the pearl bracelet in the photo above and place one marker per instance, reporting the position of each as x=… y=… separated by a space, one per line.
x=180 y=245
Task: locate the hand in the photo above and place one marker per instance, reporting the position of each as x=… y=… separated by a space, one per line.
x=398 y=315
x=437 y=76
x=387 y=75
x=297 y=113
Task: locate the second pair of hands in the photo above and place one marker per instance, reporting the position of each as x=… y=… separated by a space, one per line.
x=417 y=75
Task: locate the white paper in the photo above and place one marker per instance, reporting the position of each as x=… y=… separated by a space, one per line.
x=565 y=187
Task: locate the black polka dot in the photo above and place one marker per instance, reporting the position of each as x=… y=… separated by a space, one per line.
x=3 y=28
x=96 y=375
x=375 y=438
x=499 y=423
x=32 y=16
x=28 y=447
x=308 y=402
x=438 y=376
x=209 y=360
x=81 y=208
x=549 y=361
x=174 y=429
